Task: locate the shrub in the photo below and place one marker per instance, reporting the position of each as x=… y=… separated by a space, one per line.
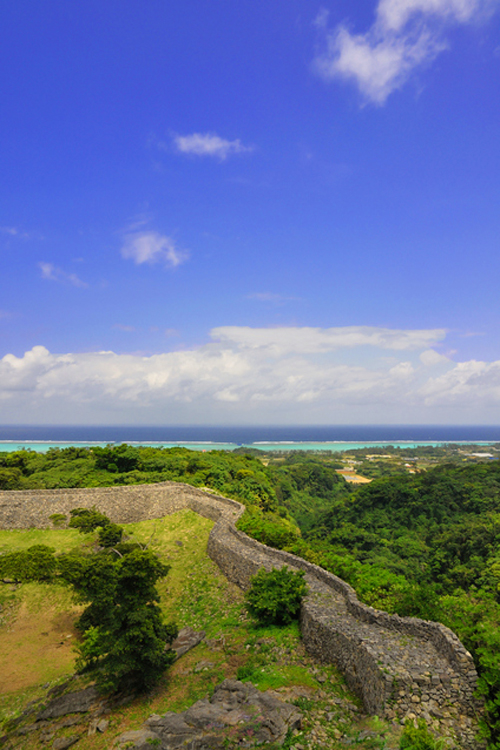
x=418 y=737
x=87 y=520
x=58 y=519
x=110 y=535
x=274 y=596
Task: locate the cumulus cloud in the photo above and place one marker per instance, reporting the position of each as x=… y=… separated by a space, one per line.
x=406 y=34
x=152 y=247
x=469 y=382
x=259 y=375
x=53 y=273
x=209 y=144
x=431 y=357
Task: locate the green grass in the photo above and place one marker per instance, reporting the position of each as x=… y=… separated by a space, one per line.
x=194 y=593
x=61 y=539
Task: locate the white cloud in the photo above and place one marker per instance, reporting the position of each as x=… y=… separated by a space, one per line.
x=395 y=14
x=152 y=247
x=430 y=358
x=322 y=340
x=405 y=35
x=209 y=144
x=53 y=273
x=468 y=382
x=282 y=375
x=378 y=64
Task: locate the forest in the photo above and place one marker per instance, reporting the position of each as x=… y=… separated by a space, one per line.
x=424 y=544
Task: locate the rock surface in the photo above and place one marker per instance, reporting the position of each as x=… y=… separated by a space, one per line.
x=186 y=640
x=64 y=742
x=71 y=703
x=237 y=715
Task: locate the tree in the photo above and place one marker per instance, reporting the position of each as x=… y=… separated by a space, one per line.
x=37 y=563
x=125 y=643
x=124 y=637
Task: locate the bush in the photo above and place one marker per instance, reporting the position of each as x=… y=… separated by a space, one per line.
x=58 y=519
x=418 y=738
x=274 y=596
x=87 y=520
x=110 y=535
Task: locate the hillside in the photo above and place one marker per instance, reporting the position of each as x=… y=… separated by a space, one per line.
x=422 y=544
x=37 y=631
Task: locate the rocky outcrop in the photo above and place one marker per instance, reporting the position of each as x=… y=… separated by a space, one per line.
x=237 y=715
x=187 y=639
x=400 y=667
x=70 y=703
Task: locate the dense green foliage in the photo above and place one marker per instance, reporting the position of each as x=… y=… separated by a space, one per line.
x=87 y=519
x=425 y=544
x=124 y=638
x=306 y=487
x=274 y=596
x=419 y=738
x=269 y=528
x=37 y=563
x=239 y=476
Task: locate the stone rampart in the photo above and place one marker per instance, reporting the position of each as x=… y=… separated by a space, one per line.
x=400 y=667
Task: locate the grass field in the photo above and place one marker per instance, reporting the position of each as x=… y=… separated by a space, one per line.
x=37 y=633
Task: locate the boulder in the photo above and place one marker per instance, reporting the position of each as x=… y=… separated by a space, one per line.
x=186 y=640
x=64 y=742
x=237 y=715
x=139 y=739
x=71 y=703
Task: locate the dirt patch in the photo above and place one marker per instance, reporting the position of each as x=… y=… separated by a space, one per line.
x=235 y=661
x=37 y=648
x=356 y=479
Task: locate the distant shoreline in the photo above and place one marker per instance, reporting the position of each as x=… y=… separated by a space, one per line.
x=284 y=446
x=263 y=437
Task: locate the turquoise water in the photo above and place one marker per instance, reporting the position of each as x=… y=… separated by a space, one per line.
x=336 y=446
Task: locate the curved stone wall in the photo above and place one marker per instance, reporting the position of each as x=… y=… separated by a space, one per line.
x=400 y=667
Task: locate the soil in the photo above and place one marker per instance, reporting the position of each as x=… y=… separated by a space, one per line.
x=37 y=648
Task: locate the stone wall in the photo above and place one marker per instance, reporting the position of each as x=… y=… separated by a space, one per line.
x=400 y=667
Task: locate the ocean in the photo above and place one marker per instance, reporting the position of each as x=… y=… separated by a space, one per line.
x=204 y=437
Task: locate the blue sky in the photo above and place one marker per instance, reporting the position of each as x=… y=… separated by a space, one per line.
x=257 y=212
